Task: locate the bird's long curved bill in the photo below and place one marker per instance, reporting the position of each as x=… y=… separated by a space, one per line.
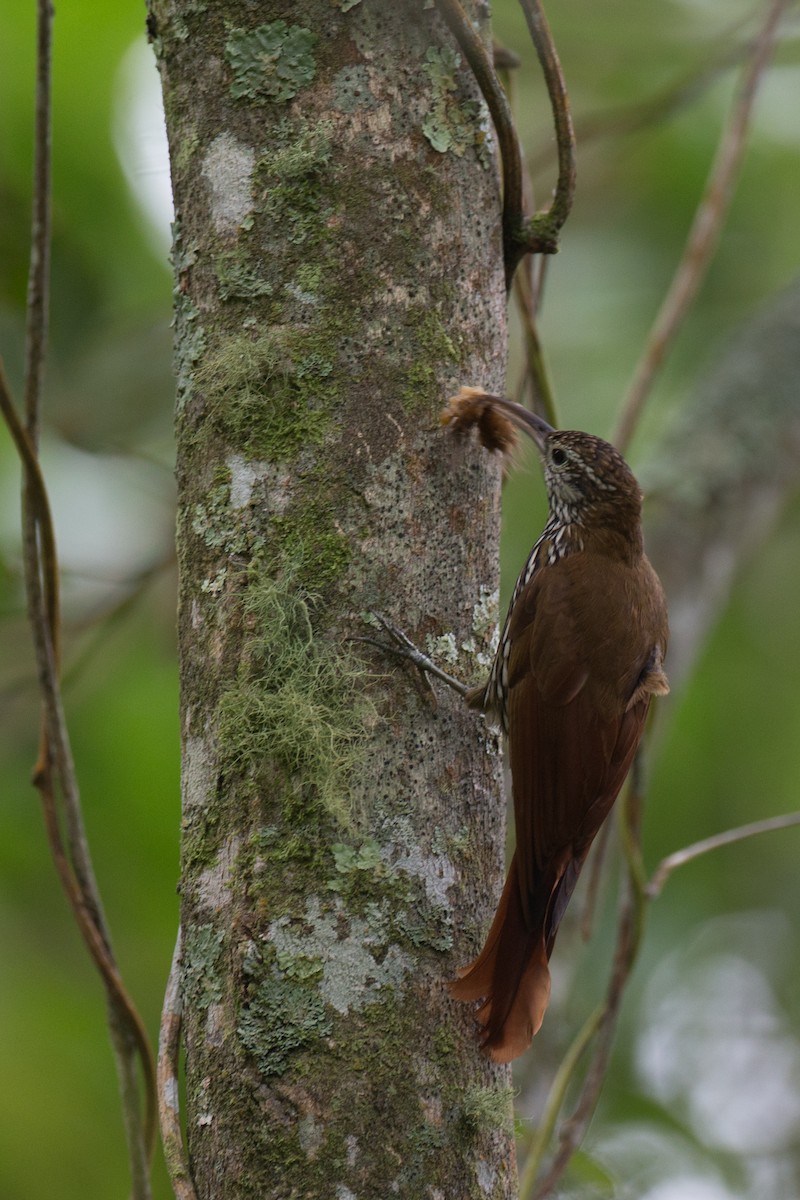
x=528 y=422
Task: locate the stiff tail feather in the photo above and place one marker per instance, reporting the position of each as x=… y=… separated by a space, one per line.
x=510 y=974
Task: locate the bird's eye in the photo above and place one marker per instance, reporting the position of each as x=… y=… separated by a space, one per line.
x=558 y=457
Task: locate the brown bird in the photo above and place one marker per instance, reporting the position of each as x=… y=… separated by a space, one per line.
x=580 y=656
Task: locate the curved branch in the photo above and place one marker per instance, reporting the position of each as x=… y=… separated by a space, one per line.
x=497 y=102
x=540 y=233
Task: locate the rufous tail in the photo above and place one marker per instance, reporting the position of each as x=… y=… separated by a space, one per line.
x=511 y=974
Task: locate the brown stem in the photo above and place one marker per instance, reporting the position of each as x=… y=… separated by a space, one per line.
x=540 y=234
x=598 y=859
x=705 y=231
x=37 y=308
x=536 y=370
x=74 y=869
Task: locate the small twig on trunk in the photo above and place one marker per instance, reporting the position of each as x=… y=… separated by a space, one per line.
x=404 y=648
x=169 y=1046
x=705 y=231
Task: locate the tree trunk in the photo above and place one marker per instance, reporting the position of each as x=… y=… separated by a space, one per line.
x=338 y=274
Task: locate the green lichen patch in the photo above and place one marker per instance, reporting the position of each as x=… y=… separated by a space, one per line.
x=452 y=124
x=349 y=860
x=422 y=377
x=270 y=63
x=291 y=175
x=201 y=978
x=280 y=1014
x=307 y=536
x=298 y=703
x=268 y=396
x=485 y=1108
x=237 y=280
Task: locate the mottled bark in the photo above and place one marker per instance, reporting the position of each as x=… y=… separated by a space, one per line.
x=338 y=274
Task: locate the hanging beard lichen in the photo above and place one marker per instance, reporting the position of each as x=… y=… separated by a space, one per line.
x=298 y=703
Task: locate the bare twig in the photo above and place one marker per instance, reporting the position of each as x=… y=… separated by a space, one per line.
x=540 y=234
x=536 y=370
x=728 y=838
x=521 y=235
x=169 y=1046
x=555 y=1099
x=602 y=1023
x=630 y=927
x=481 y=64
x=39 y=271
x=705 y=230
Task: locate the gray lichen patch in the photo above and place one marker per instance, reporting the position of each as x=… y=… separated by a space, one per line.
x=270 y=63
x=279 y=1017
x=190 y=344
x=355 y=966
x=351 y=89
x=228 y=169
x=244 y=476
x=436 y=872
x=201 y=977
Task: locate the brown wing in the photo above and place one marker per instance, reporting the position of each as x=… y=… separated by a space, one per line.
x=576 y=663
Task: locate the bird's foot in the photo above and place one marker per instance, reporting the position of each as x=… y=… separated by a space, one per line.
x=402 y=646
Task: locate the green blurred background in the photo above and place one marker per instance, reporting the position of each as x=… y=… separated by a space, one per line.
x=703 y=1097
